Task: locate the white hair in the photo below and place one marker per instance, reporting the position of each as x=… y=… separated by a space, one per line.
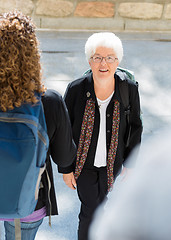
x=103 y=39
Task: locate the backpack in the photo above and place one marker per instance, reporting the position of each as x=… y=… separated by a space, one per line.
x=23 y=146
x=124 y=75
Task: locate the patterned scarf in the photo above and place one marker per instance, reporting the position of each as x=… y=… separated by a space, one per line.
x=85 y=140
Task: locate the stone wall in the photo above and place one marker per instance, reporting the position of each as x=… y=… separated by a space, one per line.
x=117 y=15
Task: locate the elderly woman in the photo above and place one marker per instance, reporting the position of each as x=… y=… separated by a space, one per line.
x=99 y=125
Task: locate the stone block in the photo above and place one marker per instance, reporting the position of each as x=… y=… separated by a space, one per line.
x=24 y=6
x=95 y=9
x=167 y=14
x=140 y=10
x=101 y=24
x=37 y=21
x=54 y=8
x=147 y=25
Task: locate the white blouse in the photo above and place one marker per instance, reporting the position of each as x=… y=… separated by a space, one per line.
x=101 y=150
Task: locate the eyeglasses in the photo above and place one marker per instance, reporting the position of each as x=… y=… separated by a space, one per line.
x=99 y=59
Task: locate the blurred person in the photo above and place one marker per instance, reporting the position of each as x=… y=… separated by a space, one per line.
x=140 y=208
x=20 y=79
x=100 y=126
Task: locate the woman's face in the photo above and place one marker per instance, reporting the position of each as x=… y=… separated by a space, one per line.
x=103 y=64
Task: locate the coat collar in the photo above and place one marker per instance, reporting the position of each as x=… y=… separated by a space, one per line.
x=90 y=93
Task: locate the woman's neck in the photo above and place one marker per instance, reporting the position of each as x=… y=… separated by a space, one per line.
x=104 y=90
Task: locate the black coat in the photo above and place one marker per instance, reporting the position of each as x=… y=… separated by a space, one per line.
x=76 y=96
x=62 y=149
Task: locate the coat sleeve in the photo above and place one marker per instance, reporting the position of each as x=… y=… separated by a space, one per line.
x=68 y=98
x=69 y=101
x=135 y=123
x=62 y=147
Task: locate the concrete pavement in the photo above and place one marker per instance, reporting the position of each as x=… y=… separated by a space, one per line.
x=148 y=55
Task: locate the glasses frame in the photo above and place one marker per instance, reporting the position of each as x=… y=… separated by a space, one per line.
x=101 y=59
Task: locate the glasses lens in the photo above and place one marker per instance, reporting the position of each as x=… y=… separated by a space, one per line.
x=97 y=59
x=110 y=59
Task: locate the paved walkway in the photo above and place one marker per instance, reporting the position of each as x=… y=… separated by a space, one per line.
x=148 y=55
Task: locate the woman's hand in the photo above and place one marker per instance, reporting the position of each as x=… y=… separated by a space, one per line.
x=70 y=181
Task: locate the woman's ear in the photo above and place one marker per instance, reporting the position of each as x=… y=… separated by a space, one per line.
x=117 y=64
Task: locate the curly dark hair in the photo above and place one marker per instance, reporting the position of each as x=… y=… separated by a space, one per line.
x=20 y=68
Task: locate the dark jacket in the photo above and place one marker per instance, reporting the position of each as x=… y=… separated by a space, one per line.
x=62 y=149
x=76 y=96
